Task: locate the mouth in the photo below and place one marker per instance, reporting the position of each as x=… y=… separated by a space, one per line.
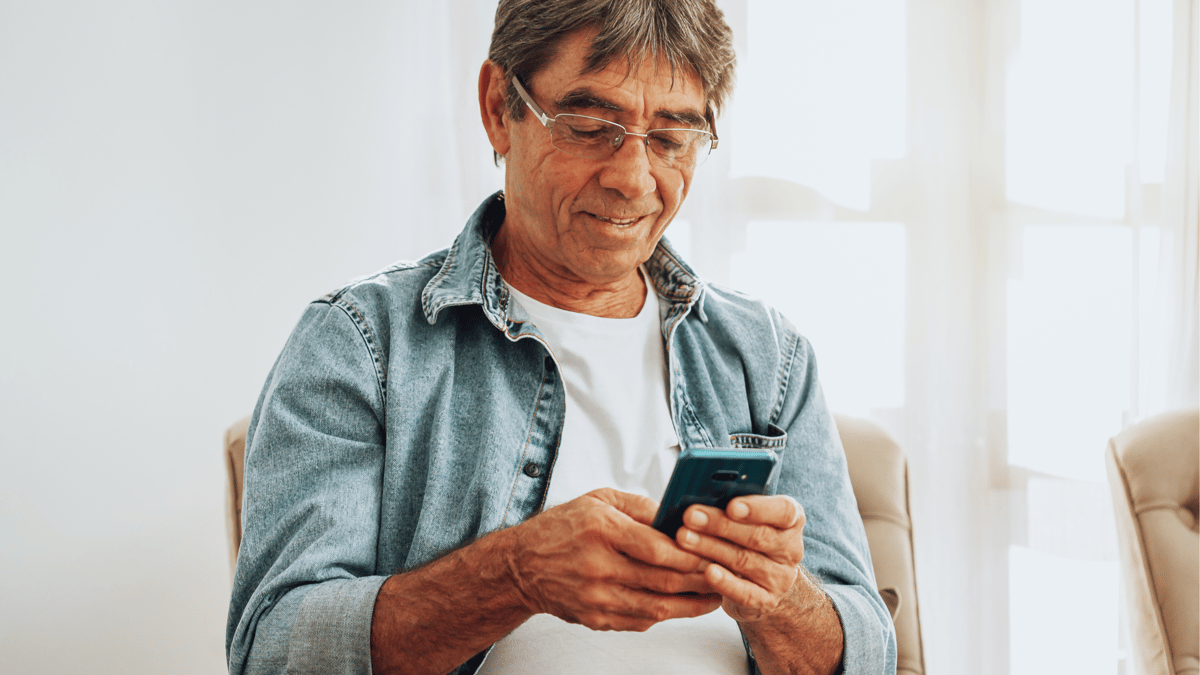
x=615 y=221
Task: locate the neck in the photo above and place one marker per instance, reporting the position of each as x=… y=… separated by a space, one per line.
x=619 y=299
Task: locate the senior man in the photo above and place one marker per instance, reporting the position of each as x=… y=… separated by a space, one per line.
x=454 y=463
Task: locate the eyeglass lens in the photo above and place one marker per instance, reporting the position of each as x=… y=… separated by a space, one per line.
x=597 y=139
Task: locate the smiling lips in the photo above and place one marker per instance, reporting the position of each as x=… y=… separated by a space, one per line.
x=619 y=222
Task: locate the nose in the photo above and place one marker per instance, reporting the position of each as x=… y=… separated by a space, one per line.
x=628 y=169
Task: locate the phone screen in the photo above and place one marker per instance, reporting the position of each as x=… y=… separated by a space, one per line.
x=712 y=476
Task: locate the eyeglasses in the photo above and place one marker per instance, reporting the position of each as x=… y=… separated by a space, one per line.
x=594 y=138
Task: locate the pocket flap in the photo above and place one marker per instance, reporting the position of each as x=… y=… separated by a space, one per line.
x=774 y=439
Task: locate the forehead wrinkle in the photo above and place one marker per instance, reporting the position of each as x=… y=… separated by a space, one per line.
x=584 y=98
x=689 y=117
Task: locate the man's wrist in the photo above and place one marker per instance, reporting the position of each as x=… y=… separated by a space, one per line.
x=807 y=611
x=435 y=617
x=505 y=548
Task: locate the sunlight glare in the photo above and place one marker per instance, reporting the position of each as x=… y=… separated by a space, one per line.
x=842 y=285
x=1070 y=106
x=839 y=104
x=1069 y=343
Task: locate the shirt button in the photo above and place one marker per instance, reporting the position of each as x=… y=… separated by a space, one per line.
x=533 y=470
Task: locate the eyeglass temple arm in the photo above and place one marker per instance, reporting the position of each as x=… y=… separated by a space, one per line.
x=712 y=125
x=542 y=116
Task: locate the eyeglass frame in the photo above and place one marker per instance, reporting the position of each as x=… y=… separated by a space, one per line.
x=548 y=122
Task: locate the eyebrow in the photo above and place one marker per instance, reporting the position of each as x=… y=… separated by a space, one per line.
x=583 y=99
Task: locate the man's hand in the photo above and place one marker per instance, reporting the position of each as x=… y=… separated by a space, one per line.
x=756 y=545
x=596 y=561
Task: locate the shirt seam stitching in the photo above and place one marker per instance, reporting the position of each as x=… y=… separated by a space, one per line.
x=525 y=448
x=368 y=338
x=785 y=377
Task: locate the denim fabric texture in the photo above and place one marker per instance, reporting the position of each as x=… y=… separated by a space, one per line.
x=408 y=409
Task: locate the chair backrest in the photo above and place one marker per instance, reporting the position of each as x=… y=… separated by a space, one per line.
x=878 y=471
x=1154 y=473
x=879 y=474
x=235 y=462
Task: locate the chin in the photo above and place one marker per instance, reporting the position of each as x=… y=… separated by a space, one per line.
x=614 y=269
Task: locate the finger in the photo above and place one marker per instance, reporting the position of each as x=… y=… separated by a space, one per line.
x=618 y=608
x=779 y=511
x=623 y=570
x=749 y=601
x=772 y=575
x=784 y=546
x=627 y=535
x=666 y=581
x=651 y=547
x=641 y=509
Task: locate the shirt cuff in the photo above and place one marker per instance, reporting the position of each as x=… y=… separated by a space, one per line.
x=332 y=632
x=869 y=640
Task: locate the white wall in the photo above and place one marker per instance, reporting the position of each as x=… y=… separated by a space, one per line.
x=177 y=180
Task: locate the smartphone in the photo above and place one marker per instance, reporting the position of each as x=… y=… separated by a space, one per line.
x=713 y=476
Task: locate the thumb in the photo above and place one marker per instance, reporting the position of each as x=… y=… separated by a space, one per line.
x=641 y=509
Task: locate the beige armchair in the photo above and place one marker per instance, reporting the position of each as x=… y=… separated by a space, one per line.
x=235 y=464
x=1154 y=472
x=878 y=471
x=879 y=474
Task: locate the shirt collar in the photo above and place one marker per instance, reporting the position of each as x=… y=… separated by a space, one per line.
x=469 y=276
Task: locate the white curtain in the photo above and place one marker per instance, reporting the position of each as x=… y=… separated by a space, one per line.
x=1181 y=201
x=984 y=216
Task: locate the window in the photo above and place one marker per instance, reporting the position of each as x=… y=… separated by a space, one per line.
x=959 y=204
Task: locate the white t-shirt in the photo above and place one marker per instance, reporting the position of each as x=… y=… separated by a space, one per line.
x=617 y=433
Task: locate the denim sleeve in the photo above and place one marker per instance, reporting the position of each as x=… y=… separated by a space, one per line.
x=835 y=542
x=306 y=581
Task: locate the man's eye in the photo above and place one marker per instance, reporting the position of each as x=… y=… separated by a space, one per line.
x=670 y=141
x=591 y=132
x=666 y=143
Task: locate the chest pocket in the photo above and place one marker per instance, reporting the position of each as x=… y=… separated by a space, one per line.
x=775 y=439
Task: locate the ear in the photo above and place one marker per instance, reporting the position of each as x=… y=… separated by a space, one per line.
x=492 y=109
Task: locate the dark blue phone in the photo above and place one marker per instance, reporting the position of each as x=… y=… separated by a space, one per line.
x=713 y=476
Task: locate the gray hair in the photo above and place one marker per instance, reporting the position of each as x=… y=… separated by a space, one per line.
x=688 y=34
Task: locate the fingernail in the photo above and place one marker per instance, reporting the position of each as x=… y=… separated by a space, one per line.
x=690 y=537
x=698 y=518
x=739 y=510
x=716 y=572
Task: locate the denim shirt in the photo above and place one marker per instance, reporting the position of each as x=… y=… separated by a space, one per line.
x=417 y=409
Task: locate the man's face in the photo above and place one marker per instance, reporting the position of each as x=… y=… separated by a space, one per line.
x=587 y=220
